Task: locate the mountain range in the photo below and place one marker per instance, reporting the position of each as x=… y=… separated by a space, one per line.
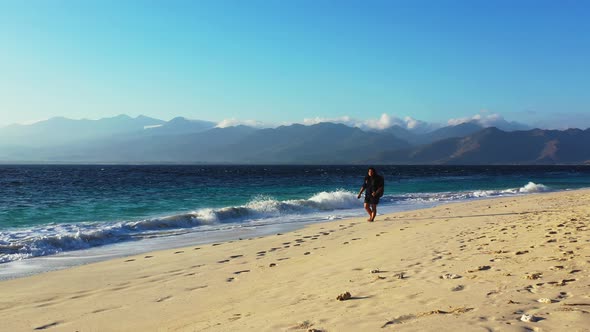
x=123 y=139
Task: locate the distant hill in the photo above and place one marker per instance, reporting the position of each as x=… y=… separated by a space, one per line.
x=459 y=130
x=403 y=133
x=60 y=130
x=180 y=125
x=494 y=146
x=181 y=148
x=320 y=143
x=123 y=139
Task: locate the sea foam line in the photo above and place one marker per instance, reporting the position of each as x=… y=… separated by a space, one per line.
x=51 y=239
x=45 y=240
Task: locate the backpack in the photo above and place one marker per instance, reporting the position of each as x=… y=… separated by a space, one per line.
x=379 y=183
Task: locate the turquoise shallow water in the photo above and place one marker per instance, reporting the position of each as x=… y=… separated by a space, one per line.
x=49 y=209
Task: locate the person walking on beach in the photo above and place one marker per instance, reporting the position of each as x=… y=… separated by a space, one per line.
x=373 y=187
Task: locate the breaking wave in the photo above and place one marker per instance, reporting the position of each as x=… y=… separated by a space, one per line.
x=17 y=244
x=54 y=238
x=529 y=188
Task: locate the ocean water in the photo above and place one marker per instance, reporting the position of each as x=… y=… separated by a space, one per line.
x=62 y=210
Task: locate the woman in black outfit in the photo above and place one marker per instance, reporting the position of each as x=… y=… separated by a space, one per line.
x=373 y=187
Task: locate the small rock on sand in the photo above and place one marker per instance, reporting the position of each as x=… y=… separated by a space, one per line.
x=528 y=318
x=343 y=296
x=534 y=276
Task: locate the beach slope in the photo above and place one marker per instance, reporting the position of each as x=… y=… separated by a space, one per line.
x=506 y=264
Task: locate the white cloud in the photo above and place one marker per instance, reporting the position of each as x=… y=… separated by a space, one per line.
x=383 y=122
x=346 y=120
x=483 y=119
x=235 y=122
x=152 y=126
x=489 y=120
x=351 y=122
x=419 y=125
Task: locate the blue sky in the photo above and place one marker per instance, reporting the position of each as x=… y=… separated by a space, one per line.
x=286 y=61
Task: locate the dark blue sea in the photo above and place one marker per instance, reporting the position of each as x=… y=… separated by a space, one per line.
x=48 y=210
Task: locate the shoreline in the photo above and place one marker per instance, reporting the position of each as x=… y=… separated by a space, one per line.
x=289 y=281
x=73 y=258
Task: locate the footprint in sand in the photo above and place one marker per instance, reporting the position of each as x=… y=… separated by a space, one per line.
x=178 y=252
x=162 y=299
x=235 y=317
x=104 y=309
x=223 y=261
x=148 y=256
x=240 y=272
x=458 y=288
x=46 y=326
x=130 y=260
x=480 y=268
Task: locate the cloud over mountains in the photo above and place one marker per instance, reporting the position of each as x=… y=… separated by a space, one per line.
x=386 y=121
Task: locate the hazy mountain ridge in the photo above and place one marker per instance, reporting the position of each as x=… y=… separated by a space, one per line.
x=60 y=130
x=123 y=139
x=494 y=146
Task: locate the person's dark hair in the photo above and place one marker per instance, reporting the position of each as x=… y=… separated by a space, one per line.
x=374 y=170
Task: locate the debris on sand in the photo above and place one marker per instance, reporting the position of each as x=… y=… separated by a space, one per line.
x=528 y=318
x=343 y=296
x=534 y=276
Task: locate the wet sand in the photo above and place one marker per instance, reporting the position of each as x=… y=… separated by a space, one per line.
x=476 y=266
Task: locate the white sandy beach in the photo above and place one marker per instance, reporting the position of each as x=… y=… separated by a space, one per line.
x=476 y=266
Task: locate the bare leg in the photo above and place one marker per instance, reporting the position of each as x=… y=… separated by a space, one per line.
x=369 y=211
x=373 y=212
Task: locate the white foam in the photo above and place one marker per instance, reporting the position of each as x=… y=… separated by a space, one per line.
x=51 y=239
x=340 y=199
x=532 y=187
x=529 y=188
